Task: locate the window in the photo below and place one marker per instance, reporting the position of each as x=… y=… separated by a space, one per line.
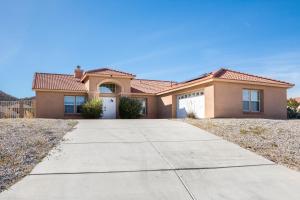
x=251 y=100
x=73 y=104
x=107 y=88
x=144 y=106
x=69 y=104
x=80 y=100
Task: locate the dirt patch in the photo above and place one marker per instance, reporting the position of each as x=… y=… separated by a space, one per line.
x=24 y=143
x=276 y=140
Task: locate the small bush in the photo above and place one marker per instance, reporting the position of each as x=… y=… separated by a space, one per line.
x=92 y=109
x=191 y=115
x=130 y=108
x=292 y=108
x=293 y=104
x=292 y=113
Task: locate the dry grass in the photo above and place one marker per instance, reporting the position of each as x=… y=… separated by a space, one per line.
x=24 y=143
x=276 y=140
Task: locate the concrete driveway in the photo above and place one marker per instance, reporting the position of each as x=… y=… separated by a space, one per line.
x=152 y=159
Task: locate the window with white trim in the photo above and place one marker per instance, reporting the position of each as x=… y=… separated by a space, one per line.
x=251 y=100
x=107 y=88
x=73 y=104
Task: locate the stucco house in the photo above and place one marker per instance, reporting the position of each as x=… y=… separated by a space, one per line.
x=223 y=93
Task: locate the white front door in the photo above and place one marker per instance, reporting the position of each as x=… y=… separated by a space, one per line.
x=109 y=107
x=191 y=103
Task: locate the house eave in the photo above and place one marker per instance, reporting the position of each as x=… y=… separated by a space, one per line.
x=136 y=94
x=65 y=91
x=200 y=82
x=281 y=85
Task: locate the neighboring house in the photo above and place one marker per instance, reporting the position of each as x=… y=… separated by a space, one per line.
x=223 y=93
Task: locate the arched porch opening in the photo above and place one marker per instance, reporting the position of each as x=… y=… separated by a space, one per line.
x=110 y=86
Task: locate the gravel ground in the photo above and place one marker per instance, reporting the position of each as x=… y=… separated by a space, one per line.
x=24 y=143
x=276 y=140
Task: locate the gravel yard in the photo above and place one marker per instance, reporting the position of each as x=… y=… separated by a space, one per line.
x=24 y=142
x=277 y=140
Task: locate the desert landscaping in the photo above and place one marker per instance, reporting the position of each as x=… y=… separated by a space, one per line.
x=24 y=143
x=276 y=140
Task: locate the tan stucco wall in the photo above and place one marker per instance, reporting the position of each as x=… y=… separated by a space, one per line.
x=225 y=100
x=87 y=84
x=167 y=104
x=228 y=101
x=221 y=100
x=209 y=93
x=152 y=107
x=51 y=104
x=95 y=81
x=164 y=106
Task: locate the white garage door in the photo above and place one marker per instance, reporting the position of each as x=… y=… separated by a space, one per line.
x=191 y=103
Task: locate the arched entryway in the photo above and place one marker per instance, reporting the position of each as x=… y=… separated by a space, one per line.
x=109 y=91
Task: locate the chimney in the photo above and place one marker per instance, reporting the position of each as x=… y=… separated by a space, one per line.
x=78 y=73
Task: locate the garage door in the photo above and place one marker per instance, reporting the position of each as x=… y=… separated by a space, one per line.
x=191 y=103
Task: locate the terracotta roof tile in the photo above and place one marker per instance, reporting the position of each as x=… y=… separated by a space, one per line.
x=108 y=71
x=297 y=99
x=149 y=86
x=57 y=82
x=228 y=75
x=234 y=75
x=70 y=83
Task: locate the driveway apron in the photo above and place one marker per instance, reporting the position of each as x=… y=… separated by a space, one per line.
x=152 y=159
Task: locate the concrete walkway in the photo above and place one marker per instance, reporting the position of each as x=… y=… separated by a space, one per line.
x=152 y=159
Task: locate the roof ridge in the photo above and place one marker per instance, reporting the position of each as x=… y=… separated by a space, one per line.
x=222 y=69
x=154 y=80
x=108 y=68
x=217 y=72
x=204 y=75
x=54 y=73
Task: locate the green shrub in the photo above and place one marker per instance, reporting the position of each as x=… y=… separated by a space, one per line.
x=130 y=108
x=292 y=106
x=292 y=113
x=92 y=109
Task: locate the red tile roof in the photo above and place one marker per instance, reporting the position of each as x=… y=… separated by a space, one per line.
x=57 y=82
x=234 y=75
x=149 y=86
x=70 y=83
x=108 y=71
x=297 y=99
x=227 y=74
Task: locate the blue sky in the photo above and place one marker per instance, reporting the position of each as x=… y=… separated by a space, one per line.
x=172 y=40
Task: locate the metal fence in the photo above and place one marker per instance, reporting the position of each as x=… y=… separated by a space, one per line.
x=17 y=109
